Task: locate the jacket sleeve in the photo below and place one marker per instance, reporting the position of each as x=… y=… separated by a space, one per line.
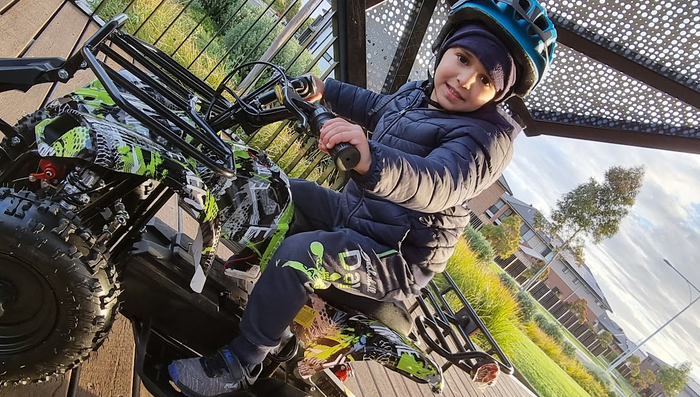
x=352 y=102
x=452 y=173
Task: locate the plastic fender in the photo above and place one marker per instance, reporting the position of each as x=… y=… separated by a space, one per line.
x=332 y=336
x=394 y=351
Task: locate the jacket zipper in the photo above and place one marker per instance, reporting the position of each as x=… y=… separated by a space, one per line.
x=401 y=114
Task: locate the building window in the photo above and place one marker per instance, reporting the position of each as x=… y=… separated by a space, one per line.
x=505 y=214
x=495 y=207
x=577 y=281
x=546 y=251
x=566 y=270
x=524 y=227
x=529 y=234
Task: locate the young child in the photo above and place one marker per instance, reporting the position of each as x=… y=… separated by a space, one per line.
x=435 y=144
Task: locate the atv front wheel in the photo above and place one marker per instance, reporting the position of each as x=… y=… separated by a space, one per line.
x=58 y=293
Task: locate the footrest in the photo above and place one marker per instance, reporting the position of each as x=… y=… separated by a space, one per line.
x=448 y=331
x=155 y=352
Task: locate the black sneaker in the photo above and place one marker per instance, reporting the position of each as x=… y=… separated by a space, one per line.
x=218 y=375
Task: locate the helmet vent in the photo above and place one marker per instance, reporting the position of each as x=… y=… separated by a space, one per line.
x=524 y=4
x=542 y=22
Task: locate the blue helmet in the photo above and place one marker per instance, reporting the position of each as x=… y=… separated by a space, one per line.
x=522 y=25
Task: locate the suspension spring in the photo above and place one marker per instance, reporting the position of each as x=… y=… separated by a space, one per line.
x=76 y=186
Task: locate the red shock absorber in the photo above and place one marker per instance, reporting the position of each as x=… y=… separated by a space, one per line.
x=48 y=169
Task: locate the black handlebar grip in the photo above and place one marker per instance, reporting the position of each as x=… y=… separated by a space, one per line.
x=344 y=155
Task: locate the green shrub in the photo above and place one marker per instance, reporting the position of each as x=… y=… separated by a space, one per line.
x=219 y=10
x=549 y=327
x=568 y=348
x=509 y=282
x=494 y=304
x=600 y=375
x=528 y=306
x=478 y=243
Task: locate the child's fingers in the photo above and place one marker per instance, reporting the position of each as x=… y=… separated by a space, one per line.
x=332 y=128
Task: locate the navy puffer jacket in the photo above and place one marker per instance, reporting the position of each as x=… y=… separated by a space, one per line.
x=426 y=164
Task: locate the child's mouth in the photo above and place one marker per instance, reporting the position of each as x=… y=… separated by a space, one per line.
x=451 y=91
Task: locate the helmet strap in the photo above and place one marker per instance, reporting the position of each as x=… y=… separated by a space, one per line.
x=428 y=88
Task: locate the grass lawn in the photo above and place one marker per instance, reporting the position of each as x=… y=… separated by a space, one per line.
x=500 y=313
x=543 y=374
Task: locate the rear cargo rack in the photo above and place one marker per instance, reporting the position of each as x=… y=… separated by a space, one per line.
x=450 y=333
x=167 y=78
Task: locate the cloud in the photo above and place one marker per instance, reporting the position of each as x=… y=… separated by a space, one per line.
x=663 y=224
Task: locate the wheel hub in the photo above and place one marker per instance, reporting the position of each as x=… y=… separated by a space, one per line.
x=28 y=306
x=8 y=295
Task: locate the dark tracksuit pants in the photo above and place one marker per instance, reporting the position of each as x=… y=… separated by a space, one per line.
x=318 y=253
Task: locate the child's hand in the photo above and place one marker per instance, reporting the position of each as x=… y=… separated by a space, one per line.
x=339 y=130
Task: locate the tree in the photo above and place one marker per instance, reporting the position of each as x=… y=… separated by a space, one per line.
x=580 y=308
x=641 y=381
x=592 y=209
x=648 y=376
x=536 y=269
x=504 y=238
x=634 y=360
x=605 y=338
x=674 y=379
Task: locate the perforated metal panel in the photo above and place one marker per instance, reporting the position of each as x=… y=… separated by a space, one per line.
x=385 y=24
x=581 y=91
x=665 y=32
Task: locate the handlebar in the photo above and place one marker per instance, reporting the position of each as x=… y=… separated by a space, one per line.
x=251 y=112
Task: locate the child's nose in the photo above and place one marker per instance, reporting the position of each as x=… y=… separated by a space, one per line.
x=467 y=79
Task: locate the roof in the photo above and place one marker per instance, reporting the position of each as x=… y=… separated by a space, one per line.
x=617 y=332
x=659 y=361
x=530 y=252
x=527 y=213
x=504 y=183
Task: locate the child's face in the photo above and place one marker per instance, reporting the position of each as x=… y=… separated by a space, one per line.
x=462 y=82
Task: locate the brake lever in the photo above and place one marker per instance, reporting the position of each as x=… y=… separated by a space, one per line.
x=294 y=102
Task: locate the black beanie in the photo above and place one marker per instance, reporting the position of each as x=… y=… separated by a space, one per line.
x=491 y=51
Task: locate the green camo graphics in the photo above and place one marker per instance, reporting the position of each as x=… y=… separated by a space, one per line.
x=332 y=336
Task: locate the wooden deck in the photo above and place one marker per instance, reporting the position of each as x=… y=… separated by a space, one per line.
x=56 y=28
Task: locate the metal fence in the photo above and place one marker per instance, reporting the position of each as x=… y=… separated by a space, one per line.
x=213 y=38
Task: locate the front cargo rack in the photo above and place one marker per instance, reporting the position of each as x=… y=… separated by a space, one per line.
x=111 y=48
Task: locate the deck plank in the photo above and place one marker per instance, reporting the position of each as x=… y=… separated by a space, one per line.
x=4 y=3
x=21 y=23
x=382 y=381
x=57 y=387
x=67 y=25
x=365 y=381
x=108 y=372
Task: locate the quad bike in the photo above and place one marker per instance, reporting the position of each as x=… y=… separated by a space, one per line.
x=82 y=181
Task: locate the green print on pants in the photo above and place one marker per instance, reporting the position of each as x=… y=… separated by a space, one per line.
x=318 y=275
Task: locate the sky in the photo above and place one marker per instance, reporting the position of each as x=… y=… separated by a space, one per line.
x=664 y=223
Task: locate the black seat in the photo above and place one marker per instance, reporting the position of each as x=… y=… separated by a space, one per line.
x=394 y=315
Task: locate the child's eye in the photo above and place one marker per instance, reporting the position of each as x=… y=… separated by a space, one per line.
x=462 y=59
x=485 y=81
